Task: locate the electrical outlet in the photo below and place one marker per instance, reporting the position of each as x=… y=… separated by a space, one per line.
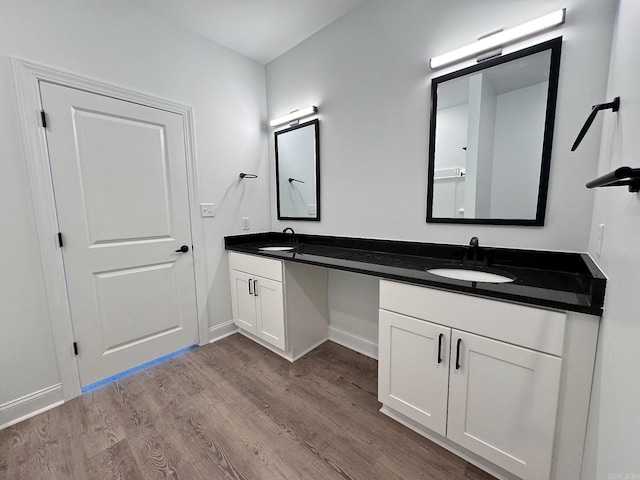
x=246 y=225
x=312 y=209
x=599 y=239
x=206 y=210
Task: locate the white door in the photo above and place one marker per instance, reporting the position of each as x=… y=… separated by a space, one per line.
x=413 y=369
x=243 y=303
x=120 y=184
x=270 y=311
x=503 y=402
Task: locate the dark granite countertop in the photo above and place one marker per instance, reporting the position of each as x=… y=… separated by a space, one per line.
x=558 y=280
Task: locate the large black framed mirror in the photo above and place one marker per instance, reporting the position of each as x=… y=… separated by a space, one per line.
x=490 y=139
x=298 y=172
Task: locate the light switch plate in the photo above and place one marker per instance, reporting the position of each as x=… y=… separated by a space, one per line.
x=312 y=209
x=246 y=225
x=206 y=210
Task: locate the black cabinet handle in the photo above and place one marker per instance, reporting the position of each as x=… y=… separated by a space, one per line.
x=440 y=337
x=183 y=249
x=249 y=282
x=255 y=287
x=458 y=354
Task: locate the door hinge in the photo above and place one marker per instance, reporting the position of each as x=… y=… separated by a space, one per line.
x=43 y=117
x=60 y=242
x=75 y=348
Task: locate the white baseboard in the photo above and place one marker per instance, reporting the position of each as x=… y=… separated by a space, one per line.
x=30 y=405
x=298 y=355
x=355 y=342
x=221 y=331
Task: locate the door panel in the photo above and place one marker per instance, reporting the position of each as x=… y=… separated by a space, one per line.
x=503 y=404
x=270 y=311
x=410 y=378
x=130 y=314
x=120 y=184
x=243 y=301
x=116 y=151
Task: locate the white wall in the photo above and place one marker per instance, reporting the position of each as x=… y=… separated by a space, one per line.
x=451 y=152
x=520 y=121
x=482 y=122
x=451 y=137
x=369 y=76
x=355 y=314
x=24 y=326
x=126 y=45
x=613 y=447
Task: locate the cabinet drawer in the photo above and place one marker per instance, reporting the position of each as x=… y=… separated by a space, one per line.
x=263 y=267
x=530 y=327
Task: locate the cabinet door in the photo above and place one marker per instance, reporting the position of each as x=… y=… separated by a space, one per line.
x=502 y=403
x=243 y=304
x=270 y=312
x=413 y=366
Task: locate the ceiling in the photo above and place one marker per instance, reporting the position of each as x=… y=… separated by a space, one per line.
x=258 y=29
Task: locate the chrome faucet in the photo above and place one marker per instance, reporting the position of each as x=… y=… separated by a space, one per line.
x=289 y=229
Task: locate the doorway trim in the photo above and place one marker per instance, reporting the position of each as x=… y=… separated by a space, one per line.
x=27 y=78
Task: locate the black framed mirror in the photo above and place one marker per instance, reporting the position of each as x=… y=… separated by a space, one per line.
x=490 y=139
x=298 y=172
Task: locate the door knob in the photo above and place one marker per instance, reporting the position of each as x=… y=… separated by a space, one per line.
x=183 y=249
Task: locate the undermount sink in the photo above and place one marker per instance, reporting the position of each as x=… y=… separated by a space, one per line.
x=276 y=249
x=470 y=275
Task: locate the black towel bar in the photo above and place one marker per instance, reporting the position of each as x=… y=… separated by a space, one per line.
x=623 y=176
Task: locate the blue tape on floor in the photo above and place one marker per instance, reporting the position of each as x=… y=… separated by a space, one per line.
x=133 y=370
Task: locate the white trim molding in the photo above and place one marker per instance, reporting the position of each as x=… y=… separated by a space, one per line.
x=223 y=330
x=355 y=342
x=30 y=405
x=28 y=77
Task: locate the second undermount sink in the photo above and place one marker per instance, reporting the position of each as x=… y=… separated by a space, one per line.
x=470 y=275
x=281 y=248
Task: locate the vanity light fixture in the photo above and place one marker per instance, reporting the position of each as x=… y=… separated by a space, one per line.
x=500 y=39
x=294 y=115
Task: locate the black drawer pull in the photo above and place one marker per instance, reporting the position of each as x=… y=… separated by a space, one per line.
x=458 y=354
x=440 y=337
x=249 y=282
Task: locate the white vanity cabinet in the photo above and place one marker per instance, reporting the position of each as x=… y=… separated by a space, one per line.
x=503 y=403
x=484 y=378
x=279 y=305
x=413 y=369
x=257 y=298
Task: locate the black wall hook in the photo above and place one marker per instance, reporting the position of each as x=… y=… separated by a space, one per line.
x=248 y=175
x=615 y=106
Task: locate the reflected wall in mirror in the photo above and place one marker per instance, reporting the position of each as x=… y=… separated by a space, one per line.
x=298 y=172
x=490 y=139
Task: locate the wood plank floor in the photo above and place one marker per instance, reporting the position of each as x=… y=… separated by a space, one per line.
x=230 y=410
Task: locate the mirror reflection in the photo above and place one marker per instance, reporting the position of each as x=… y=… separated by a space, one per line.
x=297 y=172
x=490 y=141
